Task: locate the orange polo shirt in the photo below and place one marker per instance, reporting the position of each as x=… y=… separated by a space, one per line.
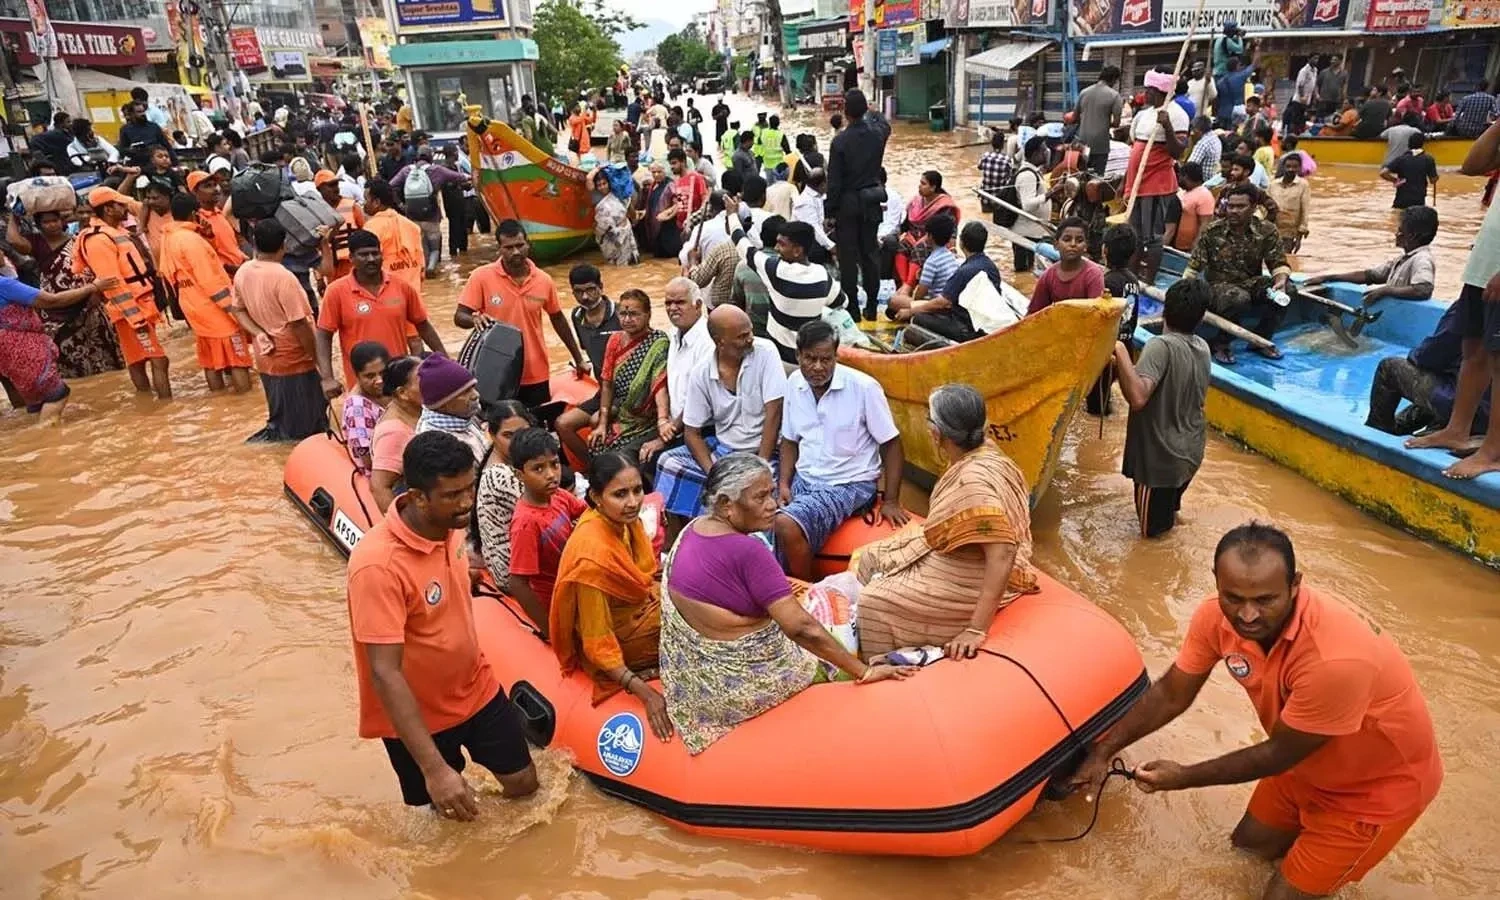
x=224 y=242
x=1333 y=673
x=203 y=289
x=155 y=228
x=400 y=246
x=408 y=590
x=355 y=315
x=517 y=303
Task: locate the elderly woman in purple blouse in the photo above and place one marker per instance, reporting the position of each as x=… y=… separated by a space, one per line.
x=738 y=637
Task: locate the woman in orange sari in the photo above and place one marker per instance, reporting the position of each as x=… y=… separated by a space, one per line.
x=606 y=605
x=941 y=582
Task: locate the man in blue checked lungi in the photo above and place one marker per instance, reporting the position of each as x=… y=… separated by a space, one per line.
x=839 y=445
x=737 y=396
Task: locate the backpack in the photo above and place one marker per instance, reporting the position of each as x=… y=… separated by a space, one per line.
x=1006 y=218
x=418 y=194
x=256 y=192
x=302 y=215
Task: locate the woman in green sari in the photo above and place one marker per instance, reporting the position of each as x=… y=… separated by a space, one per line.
x=633 y=383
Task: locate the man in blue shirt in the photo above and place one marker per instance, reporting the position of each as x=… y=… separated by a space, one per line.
x=1228 y=45
x=1231 y=88
x=1425 y=378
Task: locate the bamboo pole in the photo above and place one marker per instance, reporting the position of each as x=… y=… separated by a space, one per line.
x=1140 y=169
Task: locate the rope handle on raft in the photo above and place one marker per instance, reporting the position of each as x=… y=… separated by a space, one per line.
x=1116 y=766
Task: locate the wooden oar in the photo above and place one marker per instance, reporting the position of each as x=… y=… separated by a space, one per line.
x=1218 y=322
x=986 y=195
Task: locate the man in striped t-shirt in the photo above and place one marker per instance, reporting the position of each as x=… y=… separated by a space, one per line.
x=799 y=290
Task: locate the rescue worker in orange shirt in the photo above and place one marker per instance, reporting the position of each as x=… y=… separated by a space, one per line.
x=106 y=249
x=336 y=261
x=189 y=264
x=216 y=227
x=1350 y=761
x=400 y=243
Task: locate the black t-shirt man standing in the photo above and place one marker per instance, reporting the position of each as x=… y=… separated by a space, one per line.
x=852 y=206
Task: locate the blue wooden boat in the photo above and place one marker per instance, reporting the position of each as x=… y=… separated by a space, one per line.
x=1307 y=411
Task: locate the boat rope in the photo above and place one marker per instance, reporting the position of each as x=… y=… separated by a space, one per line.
x=1116 y=766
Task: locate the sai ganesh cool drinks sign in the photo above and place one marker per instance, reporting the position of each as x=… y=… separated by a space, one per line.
x=1098 y=17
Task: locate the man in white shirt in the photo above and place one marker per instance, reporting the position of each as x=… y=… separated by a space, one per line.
x=689 y=347
x=838 y=445
x=707 y=234
x=1304 y=94
x=809 y=207
x=1201 y=90
x=739 y=393
x=888 y=235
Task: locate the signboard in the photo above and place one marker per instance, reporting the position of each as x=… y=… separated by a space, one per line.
x=1398 y=15
x=43 y=36
x=826 y=40
x=1113 y=17
x=449 y=15
x=244 y=49
x=82 y=43
x=1471 y=13
x=375 y=35
x=885 y=52
x=998 y=13
x=289 y=39
x=899 y=12
x=909 y=44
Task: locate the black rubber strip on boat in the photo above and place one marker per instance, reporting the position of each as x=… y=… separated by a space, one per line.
x=958 y=817
x=317 y=523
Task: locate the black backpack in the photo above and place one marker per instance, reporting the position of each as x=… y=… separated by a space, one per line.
x=1006 y=218
x=256 y=192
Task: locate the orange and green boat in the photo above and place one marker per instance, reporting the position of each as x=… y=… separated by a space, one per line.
x=518 y=180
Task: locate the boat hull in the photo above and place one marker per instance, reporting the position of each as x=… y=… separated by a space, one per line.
x=823 y=770
x=1032 y=376
x=515 y=179
x=1447 y=152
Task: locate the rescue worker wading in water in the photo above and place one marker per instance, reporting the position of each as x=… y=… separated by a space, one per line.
x=110 y=252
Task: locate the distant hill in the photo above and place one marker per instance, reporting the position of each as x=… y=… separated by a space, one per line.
x=646 y=38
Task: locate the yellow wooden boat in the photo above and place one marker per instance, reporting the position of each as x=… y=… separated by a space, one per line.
x=1447 y=152
x=1032 y=376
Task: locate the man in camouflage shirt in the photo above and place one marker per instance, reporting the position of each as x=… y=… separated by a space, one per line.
x=1232 y=255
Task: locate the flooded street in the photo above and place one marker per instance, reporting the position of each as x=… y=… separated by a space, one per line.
x=177 y=700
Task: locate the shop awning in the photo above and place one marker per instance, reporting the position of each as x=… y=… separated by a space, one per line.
x=933 y=48
x=997 y=62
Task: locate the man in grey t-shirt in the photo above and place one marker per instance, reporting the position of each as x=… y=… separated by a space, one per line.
x=1166 y=390
x=1098 y=113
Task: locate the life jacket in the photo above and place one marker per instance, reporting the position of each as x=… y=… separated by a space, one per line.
x=133 y=300
x=182 y=279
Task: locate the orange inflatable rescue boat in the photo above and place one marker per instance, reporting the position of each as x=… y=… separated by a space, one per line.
x=941 y=764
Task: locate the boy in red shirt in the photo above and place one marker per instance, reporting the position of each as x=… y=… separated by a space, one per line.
x=542 y=521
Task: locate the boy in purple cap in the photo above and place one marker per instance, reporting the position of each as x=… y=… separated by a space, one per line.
x=450 y=401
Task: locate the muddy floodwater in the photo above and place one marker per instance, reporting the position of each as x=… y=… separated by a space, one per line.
x=177 y=700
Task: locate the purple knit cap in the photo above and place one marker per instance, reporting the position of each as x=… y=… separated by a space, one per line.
x=441 y=380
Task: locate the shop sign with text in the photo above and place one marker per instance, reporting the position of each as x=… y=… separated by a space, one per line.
x=1099 y=17
x=82 y=43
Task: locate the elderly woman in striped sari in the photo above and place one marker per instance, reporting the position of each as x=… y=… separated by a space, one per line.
x=942 y=581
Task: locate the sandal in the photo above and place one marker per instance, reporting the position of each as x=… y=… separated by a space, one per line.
x=1269 y=352
x=1223 y=357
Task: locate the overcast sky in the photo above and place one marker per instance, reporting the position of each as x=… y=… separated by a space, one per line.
x=678 y=12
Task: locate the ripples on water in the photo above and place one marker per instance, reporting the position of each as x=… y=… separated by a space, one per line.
x=177 y=707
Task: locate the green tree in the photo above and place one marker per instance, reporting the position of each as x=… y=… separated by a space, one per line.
x=684 y=55
x=576 y=46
